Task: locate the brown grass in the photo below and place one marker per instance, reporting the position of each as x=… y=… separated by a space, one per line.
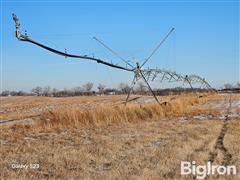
x=137 y=141
x=107 y=114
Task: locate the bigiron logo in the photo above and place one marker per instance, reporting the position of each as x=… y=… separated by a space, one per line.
x=201 y=171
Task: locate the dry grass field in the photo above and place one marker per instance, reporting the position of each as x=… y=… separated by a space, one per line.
x=101 y=138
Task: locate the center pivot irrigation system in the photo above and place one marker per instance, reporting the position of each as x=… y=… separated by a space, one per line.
x=139 y=73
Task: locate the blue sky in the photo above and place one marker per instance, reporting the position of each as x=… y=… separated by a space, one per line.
x=205 y=41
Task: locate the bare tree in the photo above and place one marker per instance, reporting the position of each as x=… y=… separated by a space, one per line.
x=101 y=88
x=238 y=85
x=37 y=91
x=14 y=93
x=78 y=91
x=124 y=88
x=47 y=91
x=88 y=86
x=5 y=93
x=228 y=86
x=141 y=87
x=54 y=92
x=68 y=92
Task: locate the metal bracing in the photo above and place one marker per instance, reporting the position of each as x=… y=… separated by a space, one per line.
x=171 y=76
x=146 y=75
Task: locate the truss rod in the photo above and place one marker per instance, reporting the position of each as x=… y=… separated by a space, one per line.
x=149 y=87
x=113 y=52
x=158 y=46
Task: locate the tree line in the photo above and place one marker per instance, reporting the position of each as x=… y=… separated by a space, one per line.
x=85 y=89
x=123 y=88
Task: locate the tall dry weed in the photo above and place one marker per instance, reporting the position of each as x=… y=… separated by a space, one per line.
x=107 y=114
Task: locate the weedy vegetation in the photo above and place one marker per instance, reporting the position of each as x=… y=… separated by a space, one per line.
x=101 y=138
